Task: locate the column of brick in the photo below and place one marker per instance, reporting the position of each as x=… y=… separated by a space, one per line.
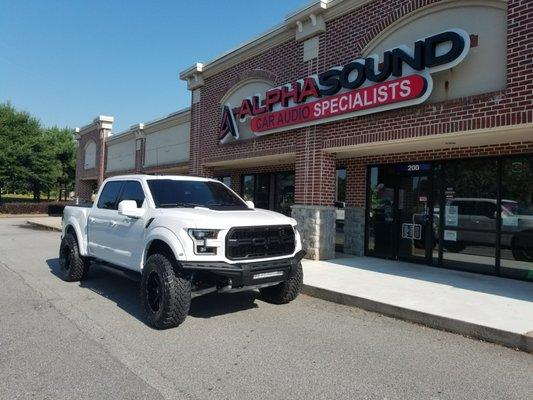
x=195 y=145
x=140 y=144
x=314 y=170
x=355 y=182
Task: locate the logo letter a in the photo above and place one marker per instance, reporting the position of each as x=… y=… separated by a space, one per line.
x=228 y=125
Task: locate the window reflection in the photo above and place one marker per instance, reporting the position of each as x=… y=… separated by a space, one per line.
x=340 y=204
x=470 y=212
x=284 y=192
x=482 y=209
x=381 y=211
x=517 y=216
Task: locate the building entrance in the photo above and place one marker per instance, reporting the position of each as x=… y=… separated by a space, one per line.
x=469 y=214
x=414 y=213
x=270 y=191
x=401 y=213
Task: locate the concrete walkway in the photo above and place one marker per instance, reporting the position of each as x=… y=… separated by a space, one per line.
x=485 y=307
x=53 y=223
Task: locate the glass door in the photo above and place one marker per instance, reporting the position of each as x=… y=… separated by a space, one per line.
x=414 y=216
x=381 y=211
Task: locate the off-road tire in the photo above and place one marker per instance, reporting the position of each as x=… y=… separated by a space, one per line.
x=287 y=291
x=454 y=247
x=72 y=266
x=174 y=290
x=520 y=253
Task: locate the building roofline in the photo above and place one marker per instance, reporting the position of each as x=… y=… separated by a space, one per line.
x=137 y=128
x=276 y=35
x=102 y=121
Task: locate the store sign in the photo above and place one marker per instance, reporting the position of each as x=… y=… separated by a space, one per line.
x=413 y=168
x=363 y=86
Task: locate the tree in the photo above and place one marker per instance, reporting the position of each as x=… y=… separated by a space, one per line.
x=63 y=144
x=18 y=133
x=32 y=158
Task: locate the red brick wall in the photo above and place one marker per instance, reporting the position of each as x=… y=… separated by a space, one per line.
x=508 y=107
x=85 y=178
x=344 y=40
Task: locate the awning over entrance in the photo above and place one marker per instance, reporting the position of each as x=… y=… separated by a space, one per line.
x=247 y=162
x=479 y=137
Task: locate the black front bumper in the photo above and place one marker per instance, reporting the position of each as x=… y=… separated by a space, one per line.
x=249 y=273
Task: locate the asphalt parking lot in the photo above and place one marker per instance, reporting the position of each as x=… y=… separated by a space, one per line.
x=88 y=340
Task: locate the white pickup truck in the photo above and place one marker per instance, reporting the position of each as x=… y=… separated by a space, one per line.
x=184 y=236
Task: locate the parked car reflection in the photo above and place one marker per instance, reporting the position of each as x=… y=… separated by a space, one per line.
x=473 y=221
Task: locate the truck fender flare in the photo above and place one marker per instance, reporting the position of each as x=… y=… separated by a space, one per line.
x=169 y=238
x=82 y=244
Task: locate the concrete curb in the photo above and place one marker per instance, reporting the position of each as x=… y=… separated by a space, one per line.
x=23 y=215
x=43 y=225
x=506 y=338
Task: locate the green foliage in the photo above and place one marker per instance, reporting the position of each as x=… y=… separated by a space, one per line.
x=32 y=158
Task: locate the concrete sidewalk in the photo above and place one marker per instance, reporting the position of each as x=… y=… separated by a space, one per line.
x=53 y=223
x=485 y=307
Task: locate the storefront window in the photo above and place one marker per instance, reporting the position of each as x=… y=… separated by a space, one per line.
x=248 y=187
x=481 y=214
x=271 y=191
x=340 y=204
x=517 y=217
x=470 y=213
x=284 y=192
x=226 y=180
x=381 y=211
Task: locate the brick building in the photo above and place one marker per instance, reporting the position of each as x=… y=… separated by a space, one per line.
x=391 y=128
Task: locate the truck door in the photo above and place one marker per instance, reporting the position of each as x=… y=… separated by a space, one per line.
x=101 y=221
x=128 y=233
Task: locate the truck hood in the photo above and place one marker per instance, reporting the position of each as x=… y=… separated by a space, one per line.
x=199 y=217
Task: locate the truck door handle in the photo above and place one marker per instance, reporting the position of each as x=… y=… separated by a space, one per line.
x=113 y=223
x=91 y=219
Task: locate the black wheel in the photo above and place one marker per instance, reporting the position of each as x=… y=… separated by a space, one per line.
x=522 y=252
x=72 y=266
x=165 y=292
x=287 y=291
x=454 y=247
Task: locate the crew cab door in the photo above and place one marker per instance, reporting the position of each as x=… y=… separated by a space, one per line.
x=102 y=219
x=127 y=233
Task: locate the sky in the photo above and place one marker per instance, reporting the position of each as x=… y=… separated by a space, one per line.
x=68 y=61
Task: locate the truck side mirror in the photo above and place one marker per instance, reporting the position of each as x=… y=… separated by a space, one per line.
x=128 y=208
x=250 y=204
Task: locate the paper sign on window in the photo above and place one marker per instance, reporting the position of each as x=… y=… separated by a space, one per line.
x=450 y=236
x=452 y=216
x=412 y=231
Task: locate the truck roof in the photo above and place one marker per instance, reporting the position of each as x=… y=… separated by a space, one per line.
x=146 y=177
x=480 y=199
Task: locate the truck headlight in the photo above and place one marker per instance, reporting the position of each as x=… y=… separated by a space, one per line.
x=201 y=239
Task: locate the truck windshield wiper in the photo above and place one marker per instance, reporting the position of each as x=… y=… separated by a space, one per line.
x=177 y=204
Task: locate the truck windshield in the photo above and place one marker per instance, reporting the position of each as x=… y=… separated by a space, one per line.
x=170 y=193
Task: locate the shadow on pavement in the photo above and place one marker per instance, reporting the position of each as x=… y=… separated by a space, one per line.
x=215 y=304
x=124 y=292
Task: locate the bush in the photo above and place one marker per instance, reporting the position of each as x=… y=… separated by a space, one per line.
x=50 y=208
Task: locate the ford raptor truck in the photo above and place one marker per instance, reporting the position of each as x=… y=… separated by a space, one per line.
x=184 y=237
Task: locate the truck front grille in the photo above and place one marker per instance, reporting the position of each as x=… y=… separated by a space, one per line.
x=260 y=242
